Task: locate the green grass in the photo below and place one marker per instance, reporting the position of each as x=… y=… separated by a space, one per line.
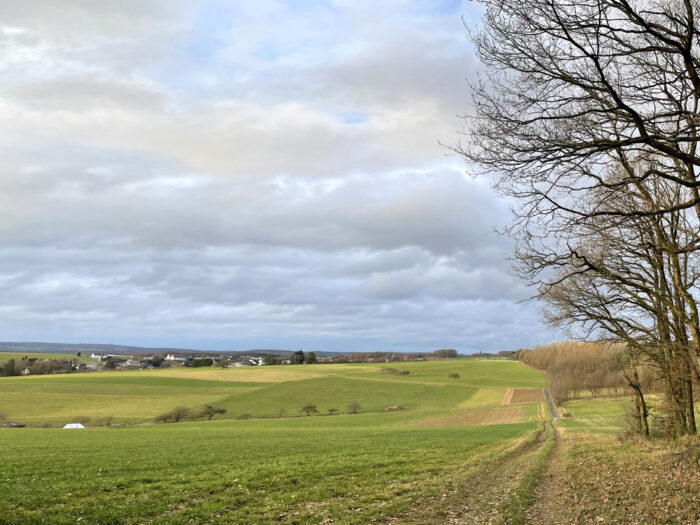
x=513 y=511
x=304 y=469
x=138 y=396
x=344 y=468
x=597 y=415
x=58 y=399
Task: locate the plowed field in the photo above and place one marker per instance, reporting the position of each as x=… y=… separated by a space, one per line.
x=524 y=395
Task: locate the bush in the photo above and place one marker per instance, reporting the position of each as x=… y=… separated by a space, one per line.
x=354 y=407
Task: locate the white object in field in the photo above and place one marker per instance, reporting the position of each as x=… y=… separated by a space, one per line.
x=73 y=425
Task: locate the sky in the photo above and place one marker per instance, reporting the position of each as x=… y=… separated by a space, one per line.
x=230 y=175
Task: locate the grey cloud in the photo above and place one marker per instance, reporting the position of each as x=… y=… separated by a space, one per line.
x=160 y=189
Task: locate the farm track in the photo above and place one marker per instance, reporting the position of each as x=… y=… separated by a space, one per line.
x=545 y=509
x=484 y=493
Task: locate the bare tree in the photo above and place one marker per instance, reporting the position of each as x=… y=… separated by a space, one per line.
x=574 y=84
x=179 y=413
x=354 y=407
x=634 y=280
x=588 y=116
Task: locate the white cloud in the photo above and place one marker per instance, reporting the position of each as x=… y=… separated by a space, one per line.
x=245 y=174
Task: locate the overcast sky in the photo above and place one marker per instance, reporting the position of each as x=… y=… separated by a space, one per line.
x=247 y=174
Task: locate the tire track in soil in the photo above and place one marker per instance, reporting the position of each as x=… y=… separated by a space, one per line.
x=546 y=509
x=480 y=499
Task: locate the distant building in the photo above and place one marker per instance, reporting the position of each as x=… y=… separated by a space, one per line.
x=131 y=364
x=102 y=357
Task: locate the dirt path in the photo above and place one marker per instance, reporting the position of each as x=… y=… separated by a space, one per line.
x=547 y=494
x=479 y=500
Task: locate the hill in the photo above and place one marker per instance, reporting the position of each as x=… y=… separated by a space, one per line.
x=277 y=465
x=433 y=442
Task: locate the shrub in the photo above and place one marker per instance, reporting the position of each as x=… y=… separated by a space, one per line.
x=354 y=407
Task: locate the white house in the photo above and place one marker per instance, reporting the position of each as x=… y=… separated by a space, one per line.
x=74 y=425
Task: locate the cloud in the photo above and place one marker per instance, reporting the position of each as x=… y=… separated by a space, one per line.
x=246 y=174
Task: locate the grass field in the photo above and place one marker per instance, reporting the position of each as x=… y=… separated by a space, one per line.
x=459 y=453
x=303 y=470
x=138 y=396
x=359 y=468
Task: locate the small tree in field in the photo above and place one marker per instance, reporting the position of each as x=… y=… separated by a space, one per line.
x=162 y=418
x=454 y=375
x=354 y=407
x=210 y=411
x=179 y=413
x=332 y=411
x=309 y=409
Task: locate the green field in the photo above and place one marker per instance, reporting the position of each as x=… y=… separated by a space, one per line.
x=138 y=396
x=347 y=468
x=456 y=454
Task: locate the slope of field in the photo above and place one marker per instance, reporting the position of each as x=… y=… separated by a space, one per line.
x=137 y=396
x=370 y=467
x=58 y=399
x=244 y=472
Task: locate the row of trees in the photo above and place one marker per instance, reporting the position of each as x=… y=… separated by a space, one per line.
x=574 y=368
x=177 y=414
x=181 y=413
x=35 y=366
x=589 y=117
x=310 y=408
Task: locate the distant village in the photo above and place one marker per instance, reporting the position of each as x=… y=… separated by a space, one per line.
x=97 y=361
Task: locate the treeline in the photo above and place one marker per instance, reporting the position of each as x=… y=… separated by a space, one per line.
x=395 y=357
x=594 y=368
x=33 y=366
x=604 y=176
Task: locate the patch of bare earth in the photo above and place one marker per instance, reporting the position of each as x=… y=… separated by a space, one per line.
x=525 y=395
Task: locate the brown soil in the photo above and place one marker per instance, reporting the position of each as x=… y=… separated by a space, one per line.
x=525 y=395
